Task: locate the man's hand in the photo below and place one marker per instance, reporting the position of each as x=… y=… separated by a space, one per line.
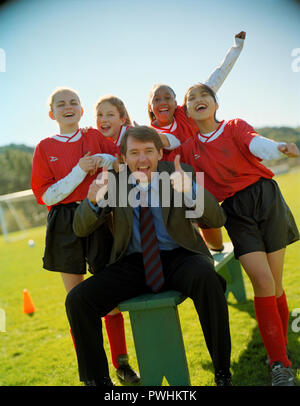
x=98 y=187
x=241 y=35
x=290 y=149
x=180 y=181
x=118 y=162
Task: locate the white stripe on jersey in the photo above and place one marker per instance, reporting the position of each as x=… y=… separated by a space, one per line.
x=66 y=137
x=213 y=135
x=170 y=127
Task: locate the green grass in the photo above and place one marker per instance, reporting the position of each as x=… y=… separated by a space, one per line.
x=38 y=350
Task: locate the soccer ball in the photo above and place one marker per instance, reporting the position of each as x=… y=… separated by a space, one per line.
x=31 y=243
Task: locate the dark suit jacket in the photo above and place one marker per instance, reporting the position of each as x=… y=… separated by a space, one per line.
x=107 y=249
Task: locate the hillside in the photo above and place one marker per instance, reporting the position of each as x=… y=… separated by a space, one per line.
x=16 y=159
x=15 y=164
x=287 y=134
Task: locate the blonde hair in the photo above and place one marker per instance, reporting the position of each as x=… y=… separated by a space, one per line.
x=151 y=95
x=115 y=101
x=57 y=90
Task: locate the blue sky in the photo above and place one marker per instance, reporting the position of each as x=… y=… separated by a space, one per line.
x=125 y=46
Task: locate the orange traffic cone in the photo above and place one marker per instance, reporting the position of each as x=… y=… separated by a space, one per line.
x=28 y=306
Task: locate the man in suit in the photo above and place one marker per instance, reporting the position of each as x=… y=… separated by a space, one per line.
x=155 y=247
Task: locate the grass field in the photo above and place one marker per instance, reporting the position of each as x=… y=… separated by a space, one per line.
x=37 y=350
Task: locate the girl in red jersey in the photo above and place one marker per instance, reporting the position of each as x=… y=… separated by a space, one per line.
x=164 y=112
x=64 y=166
x=113 y=120
x=167 y=116
x=259 y=222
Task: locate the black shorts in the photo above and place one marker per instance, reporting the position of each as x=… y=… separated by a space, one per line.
x=259 y=219
x=64 y=251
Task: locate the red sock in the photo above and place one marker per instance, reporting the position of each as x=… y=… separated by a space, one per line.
x=270 y=327
x=283 y=310
x=116 y=336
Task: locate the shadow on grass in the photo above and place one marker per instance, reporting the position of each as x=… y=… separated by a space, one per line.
x=251 y=368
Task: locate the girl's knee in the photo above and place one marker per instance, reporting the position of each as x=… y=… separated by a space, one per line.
x=263 y=285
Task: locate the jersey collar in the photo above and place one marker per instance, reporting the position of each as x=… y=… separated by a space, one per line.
x=214 y=135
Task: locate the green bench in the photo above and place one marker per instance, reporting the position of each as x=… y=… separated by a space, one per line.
x=156 y=326
x=230 y=268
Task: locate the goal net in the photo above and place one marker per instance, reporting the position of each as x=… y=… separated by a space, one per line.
x=19 y=212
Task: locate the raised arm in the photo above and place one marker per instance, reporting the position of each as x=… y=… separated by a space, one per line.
x=218 y=76
x=169 y=141
x=265 y=148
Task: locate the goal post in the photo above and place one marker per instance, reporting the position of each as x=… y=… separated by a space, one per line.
x=19 y=211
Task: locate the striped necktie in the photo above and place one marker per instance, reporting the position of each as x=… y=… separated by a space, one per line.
x=151 y=257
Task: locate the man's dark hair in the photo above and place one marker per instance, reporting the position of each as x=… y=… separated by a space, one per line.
x=142 y=133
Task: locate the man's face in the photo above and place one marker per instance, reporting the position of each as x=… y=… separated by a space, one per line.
x=142 y=157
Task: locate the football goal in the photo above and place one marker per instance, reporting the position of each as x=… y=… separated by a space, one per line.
x=19 y=211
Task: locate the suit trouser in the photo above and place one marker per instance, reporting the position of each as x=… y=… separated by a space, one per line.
x=190 y=273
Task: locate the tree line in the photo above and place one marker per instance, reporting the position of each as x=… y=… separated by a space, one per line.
x=16 y=159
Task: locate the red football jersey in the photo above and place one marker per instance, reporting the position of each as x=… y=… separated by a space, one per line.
x=53 y=160
x=117 y=142
x=182 y=127
x=225 y=159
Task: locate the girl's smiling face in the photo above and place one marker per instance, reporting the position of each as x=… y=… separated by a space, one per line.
x=163 y=105
x=66 y=109
x=109 y=120
x=200 y=104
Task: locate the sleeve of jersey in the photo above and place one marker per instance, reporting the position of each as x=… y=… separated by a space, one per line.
x=173 y=141
x=261 y=147
x=243 y=133
x=107 y=160
x=64 y=187
x=218 y=76
x=41 y=175
x=264 y=148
